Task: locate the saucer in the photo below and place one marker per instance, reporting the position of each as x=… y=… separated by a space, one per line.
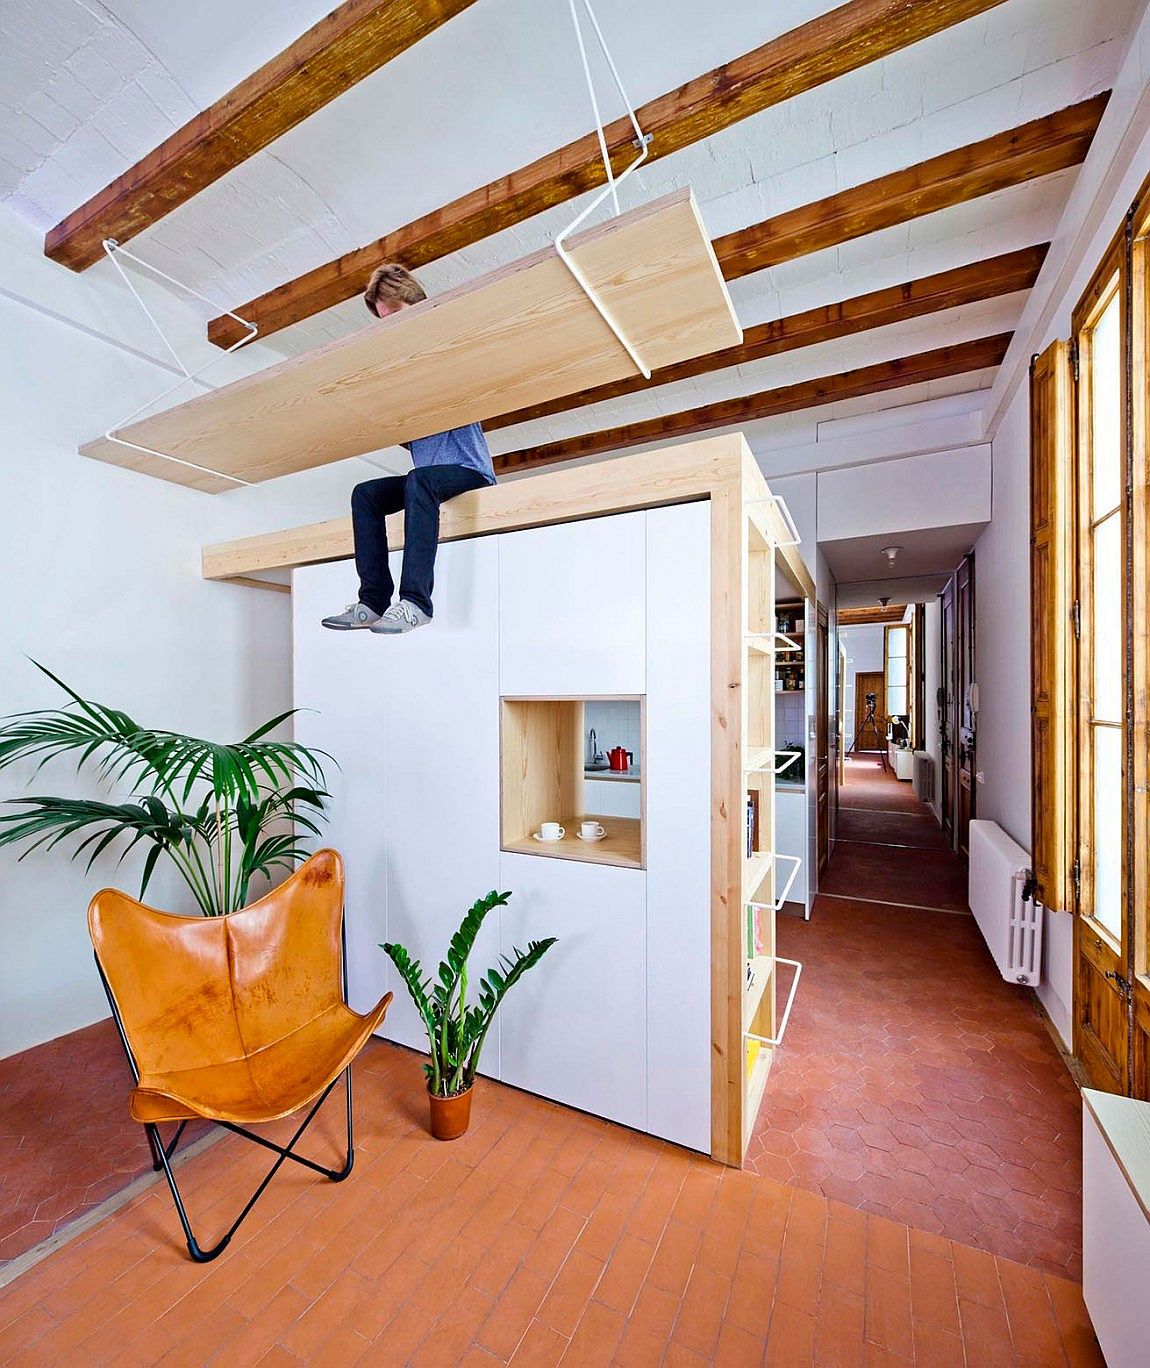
x=601 y=836
x=547 y=840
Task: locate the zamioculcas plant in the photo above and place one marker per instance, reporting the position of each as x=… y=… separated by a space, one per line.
x=220 y=813
x=455 y=1030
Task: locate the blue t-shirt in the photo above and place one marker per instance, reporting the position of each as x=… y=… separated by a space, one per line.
x=461 y=446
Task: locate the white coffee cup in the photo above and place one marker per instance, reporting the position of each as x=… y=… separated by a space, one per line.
x=551 y=831
x=588 y=830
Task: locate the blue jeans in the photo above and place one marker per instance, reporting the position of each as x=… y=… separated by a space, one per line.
x=419 y=494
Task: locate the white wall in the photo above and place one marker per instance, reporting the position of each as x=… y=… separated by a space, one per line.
x=100 y=569
x=1118 y=162
x=936 y=489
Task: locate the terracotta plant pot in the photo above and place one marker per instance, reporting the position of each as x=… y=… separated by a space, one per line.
x=450 y=1116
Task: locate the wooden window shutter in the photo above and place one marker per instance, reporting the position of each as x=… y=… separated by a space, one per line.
x=1052 y=624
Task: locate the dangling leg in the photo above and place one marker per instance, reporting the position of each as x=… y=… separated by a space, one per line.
x=427 y=488
x=371 y=502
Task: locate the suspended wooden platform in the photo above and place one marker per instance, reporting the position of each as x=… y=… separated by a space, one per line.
x=523 y=335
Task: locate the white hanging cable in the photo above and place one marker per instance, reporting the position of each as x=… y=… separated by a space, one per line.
x=114 y=252
x=611 y=189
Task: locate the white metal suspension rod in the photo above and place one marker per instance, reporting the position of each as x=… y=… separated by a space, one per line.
x=611 y=189
x=781 y=504
x=114 y=252
x=778 y=1040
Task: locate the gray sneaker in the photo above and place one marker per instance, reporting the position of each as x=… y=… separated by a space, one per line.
x=401 y=617
x=353 y=617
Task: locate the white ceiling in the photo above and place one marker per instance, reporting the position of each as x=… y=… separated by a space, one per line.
x=88 y=86
x=925 y=552
x=867 y=593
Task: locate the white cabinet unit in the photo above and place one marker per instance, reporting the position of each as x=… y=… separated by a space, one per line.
x=439 y=817
x=791 y=836
x=677 y=783
x=616 y=1019
x=571 y=608
x=612 y=798
x=574 y=1029
x=1116 y=1223
x=415 y=795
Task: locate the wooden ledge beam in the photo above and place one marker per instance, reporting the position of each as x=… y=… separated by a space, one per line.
x=886 y=375
x=980 y=280
x=654 y=479
x=842 y=40
x=350 y=43
x=1044 y=145
x=864 y=617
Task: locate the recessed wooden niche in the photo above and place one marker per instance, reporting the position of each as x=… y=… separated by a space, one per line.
x=544 y=778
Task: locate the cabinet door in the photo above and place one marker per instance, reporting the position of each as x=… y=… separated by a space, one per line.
x=571 y=607
x=340 y=686
x=413 y=723
x=439 y=824
x=678 y=796
x=607 y=798
x=575 y=1027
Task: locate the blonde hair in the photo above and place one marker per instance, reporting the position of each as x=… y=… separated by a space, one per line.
x=393 y=284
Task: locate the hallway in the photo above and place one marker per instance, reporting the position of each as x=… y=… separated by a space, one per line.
x=915 y=1083
x=888 y=846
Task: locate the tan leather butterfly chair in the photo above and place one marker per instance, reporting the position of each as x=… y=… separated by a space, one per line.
x=239 y=1019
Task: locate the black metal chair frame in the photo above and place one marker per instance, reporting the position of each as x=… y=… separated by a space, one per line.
x=162 y=1154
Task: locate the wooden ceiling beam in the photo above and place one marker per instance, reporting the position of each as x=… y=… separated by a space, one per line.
x=831 y=45
x=886 y=375
x=1000 y=275
x=1051 y=143
x=353 y=41
x=863 y=617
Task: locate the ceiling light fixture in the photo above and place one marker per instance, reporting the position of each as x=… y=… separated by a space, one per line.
x=890 y=552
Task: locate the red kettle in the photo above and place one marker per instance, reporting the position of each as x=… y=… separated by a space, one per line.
x=620 y=759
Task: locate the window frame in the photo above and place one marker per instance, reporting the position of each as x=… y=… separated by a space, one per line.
x=1108 y=285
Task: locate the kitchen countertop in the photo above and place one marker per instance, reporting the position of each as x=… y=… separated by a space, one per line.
x=627 y=776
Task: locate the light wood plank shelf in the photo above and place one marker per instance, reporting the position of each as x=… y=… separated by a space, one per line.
x=623 y=844
x=763 y=967
x=756 y=873
x=521 y=336
x=756 y=1087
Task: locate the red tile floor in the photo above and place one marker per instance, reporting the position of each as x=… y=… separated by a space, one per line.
x=888 y=846
x=915 y=1082
x=66 y=1140
x=542 y=1236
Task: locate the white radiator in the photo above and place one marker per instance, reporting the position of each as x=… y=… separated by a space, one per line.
x=1010 y=924
x=924 y=776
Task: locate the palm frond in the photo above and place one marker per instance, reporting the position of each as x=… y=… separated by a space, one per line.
x=195 y=799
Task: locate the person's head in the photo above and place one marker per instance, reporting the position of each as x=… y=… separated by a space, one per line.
x=391 y=287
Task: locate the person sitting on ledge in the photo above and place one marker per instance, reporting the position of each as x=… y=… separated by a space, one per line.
x=445 y=464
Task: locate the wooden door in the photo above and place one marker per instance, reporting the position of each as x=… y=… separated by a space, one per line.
x=948 y=715
x=964 y=677
x=822 y=738
x=870 y=682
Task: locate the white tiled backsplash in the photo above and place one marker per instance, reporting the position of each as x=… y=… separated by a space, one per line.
x=617 y=722
x=790 y=717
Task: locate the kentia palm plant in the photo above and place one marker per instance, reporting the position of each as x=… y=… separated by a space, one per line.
x=455 y=1031
x=220 y=813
